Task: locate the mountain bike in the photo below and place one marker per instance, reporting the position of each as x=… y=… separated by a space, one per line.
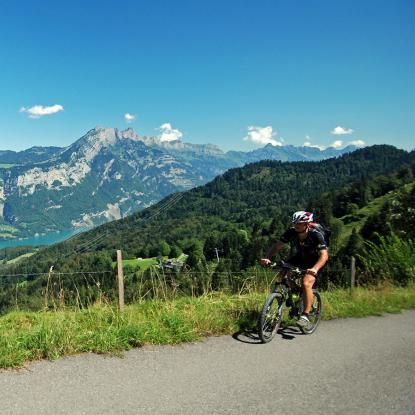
x=288 y=292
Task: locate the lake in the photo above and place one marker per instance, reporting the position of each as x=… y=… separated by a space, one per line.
x=49 y=239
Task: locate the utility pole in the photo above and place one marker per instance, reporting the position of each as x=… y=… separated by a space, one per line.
x=217 y=254
x=352 y=272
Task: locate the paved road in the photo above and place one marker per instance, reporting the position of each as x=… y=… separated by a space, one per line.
x=351 y=366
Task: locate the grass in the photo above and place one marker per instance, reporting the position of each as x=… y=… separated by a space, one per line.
x=17 y=259
x=27 y=336
x=145 y=263
x=141 y=264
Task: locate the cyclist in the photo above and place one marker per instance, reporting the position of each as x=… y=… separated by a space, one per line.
x=311 y=253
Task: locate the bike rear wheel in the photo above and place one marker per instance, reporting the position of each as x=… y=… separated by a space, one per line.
x=271 y=317
x=315 y=313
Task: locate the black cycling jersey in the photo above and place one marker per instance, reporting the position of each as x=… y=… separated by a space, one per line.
x=305 y=253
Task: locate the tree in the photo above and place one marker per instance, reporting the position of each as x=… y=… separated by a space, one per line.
x=195 y=252
x=323 y=209
x=211 y=244
x=175 y=251
x=273 y=227
x=354 y=245
x=164 y=248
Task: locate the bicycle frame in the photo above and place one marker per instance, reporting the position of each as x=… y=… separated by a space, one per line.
x=292 y=282
x=291 y=279
x=284 y=293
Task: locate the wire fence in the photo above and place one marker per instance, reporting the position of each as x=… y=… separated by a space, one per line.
x=56 y=290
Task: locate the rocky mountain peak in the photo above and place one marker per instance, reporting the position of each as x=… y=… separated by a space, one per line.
x=107 y=136
x=130 y=134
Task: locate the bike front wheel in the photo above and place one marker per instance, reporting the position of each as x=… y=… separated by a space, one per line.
x=315 y=313
x=271 y=317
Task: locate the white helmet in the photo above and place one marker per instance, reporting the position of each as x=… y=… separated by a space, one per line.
x=302 y=217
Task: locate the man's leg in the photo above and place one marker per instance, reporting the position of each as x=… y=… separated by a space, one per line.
x=308 y=297
x=308 y=282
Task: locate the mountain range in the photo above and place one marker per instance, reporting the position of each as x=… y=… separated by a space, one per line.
x=109 y=174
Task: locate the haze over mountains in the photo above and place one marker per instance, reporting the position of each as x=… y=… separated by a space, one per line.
x=108 y=174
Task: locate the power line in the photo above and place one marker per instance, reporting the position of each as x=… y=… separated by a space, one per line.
x=94 y=241
x=57 y=273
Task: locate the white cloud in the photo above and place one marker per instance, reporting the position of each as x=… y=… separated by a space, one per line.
x=168 y=133
x=337 y=144
x=340 y=131
x=129 y=117
x=358 y=143
x=262 y=136
x=38 y=111
x=307 y=143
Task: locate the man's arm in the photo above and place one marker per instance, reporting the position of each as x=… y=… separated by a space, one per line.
x=275 y=249
x=324 y=256
x=272 y=252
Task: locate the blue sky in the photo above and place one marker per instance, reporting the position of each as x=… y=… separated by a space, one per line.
x=286 y=72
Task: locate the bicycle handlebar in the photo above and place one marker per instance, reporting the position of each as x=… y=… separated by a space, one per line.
x=286 y=265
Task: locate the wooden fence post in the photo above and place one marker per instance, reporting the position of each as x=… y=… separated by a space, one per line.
x=47 y=287
x=352 y=272
x=120 y=278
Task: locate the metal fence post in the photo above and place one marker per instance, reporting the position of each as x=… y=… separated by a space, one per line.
x=120 y=278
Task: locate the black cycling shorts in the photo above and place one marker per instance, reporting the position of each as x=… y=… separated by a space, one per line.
x=302 y=263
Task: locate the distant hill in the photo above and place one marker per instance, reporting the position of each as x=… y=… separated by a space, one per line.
x=239 y=212
x=29 y=156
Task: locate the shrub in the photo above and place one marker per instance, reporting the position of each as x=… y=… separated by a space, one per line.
x=391 y=258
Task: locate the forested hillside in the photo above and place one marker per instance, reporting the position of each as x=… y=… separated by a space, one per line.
x=239 y=213
x=373 y=220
